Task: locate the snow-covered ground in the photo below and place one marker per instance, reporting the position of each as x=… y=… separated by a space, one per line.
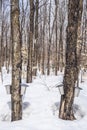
x=41 y=106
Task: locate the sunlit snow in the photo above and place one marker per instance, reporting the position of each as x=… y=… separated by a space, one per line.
x=41 y=106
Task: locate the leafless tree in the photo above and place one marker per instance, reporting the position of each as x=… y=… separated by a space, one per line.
x=16 y=98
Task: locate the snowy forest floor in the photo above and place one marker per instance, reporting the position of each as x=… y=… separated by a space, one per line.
x=41 y=106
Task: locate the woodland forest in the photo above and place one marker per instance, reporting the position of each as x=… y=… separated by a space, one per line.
x=46 y=36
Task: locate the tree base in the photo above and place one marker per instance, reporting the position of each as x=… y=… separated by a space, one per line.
x=67 y=117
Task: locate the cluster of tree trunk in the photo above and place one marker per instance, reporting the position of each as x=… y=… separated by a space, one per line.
x=53 y=42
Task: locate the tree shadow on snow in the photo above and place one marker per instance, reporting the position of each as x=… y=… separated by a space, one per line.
x=25 y=105
x=55 y=108
x=79 y=113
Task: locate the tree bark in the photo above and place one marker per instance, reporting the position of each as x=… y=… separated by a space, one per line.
x=61 y=49
x=36 y=37
x=56 y=31
x=79 y=40
x=30 y=44
x=16 y=98
x=49 y=44
x=66 y=105
x=2 y=41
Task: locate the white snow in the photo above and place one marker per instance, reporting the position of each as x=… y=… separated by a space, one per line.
x=41 y=106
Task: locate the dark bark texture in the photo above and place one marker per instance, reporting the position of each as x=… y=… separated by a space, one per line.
x=30 y=44
x=66 y=105
x=16 y=98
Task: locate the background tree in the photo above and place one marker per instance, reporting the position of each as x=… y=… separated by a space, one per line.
x=35 y=50
x=56 y=31
x=30 y=44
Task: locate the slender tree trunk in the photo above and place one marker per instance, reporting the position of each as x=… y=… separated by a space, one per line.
x=10 y=50
x=56 y=30
x=48 y=60
x=79 y=42
x=43 y=37
x=43 y=53
x=6 y=48
x=16 y=98
x=39 y=53
x=56 y=56
x=36 y=20
x=30 y=46
x=84 y=27
x=61 y=49
x=0 y=29
x=2 y=43
x=66 y=105
x=49 y=44
x=36 y=38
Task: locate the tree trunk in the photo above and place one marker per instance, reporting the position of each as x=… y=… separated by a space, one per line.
x=66 y=105
x=48 y=60
x=6 y=49
x=2 y=41
x=16 y=98
x=0 y=30
x=56 y=31
x=43 y=47
x=30 y=46
x=36 y=38
x=49 y=44
x=61 y=49
x=43 y=38
x=79 y=42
